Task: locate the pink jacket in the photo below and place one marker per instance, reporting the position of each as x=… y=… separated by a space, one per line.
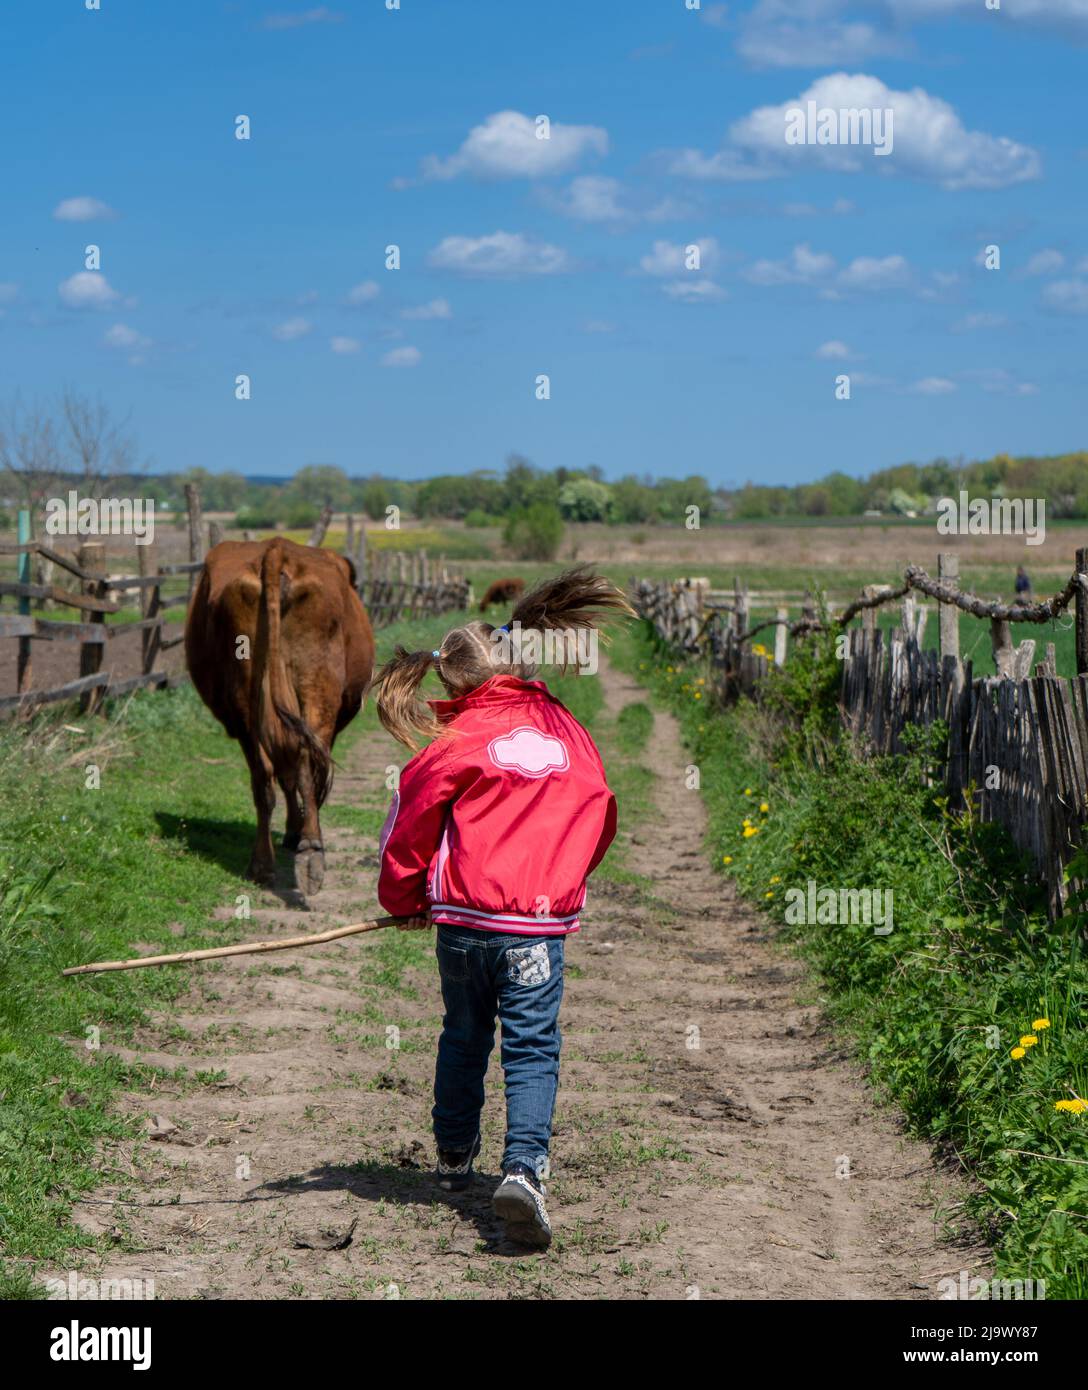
x=500 y=821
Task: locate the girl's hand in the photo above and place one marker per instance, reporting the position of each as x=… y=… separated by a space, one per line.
x=415 y=923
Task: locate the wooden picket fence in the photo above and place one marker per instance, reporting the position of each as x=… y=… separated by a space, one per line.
x=1017 y=742
x=393 y=586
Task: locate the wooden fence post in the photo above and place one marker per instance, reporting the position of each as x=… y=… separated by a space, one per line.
x=780 y=635
x=321 y=525
x=349 y=536
x=740 y=607
x=150 y=600
x=25 y=666
x=948 y=571
x=196 y=540
x=1001 y=644
x=92 y=558
x=1082 y=613
x=215 y=534
x=360 y=557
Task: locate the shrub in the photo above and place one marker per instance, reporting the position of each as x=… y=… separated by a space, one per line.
x=535 y=532
x=254 y=519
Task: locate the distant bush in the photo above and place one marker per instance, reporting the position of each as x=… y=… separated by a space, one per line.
x=254 y=519
x=375 y=500
x=535 y=532
x=478 y=517
x=301 y=514
x=582 y=499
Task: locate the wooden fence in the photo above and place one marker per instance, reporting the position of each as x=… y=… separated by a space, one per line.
x=1017 y=742
x=393 y=586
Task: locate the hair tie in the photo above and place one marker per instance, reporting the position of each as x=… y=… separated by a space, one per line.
x=436 y=655
x=505 y=628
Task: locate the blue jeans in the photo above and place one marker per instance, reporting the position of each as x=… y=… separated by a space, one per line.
x=520 y=979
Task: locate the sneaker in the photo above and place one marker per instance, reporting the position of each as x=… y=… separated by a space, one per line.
x=454 y=1170
x=519 y=1201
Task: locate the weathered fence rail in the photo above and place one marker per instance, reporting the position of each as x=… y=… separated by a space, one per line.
x=1017 y=743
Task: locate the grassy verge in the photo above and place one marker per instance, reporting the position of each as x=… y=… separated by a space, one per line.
x=129 y=828
x=969 y=1013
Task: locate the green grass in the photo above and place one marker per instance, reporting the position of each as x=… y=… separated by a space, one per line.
x=936 y=1007
x=87 y=872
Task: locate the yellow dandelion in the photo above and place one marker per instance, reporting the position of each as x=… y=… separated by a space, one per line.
x=1028 y=1040
x=764 y=807
x=701 y=681
x=1072 y=1107
x=750 y=830
x=768 y=895
x=727 y=859
x=776 y=878
x=1018 y=1052
x=747 y=791
x=698 y=694
x=1038 y=1023
x=669 y=670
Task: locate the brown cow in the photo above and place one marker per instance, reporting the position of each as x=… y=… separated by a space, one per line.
x=287 y=690
x=502 y=591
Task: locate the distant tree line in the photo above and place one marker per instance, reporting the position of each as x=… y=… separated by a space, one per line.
x=75 y=442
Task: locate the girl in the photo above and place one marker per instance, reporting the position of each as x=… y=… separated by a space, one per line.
x=493 y=832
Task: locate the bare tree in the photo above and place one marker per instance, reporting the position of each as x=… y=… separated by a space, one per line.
x=30 y=464
x=100 y=449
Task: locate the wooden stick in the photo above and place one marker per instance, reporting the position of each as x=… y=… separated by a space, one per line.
x=247 y=948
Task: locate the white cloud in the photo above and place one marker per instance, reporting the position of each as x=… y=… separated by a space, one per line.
x=121 y=336
x=694 y=291
x=344 y=346
x=929 y=142
x=506 y=146
x=717 y=16
x=434 y=309
x=1046 y=262
x=999 y=382
x=592 y=198
x=833 y=351
x=803 y=266
x=822 y=33
x=292 y=329
x=363 y=293
x=321 y=14
x=872 y=273
x=670 y=258
x=402 y=357
x=83 y=210
x=87 y=289
x=841 y=207
x=934 y=386
x=500 y=255
x=810 y=33
x=971 y=323
x=1067 y=296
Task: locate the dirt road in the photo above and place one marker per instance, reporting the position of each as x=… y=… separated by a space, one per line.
x=712 y=1139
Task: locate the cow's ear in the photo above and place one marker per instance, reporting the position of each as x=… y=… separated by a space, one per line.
x=351 y=571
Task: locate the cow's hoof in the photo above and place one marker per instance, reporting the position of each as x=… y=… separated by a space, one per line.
x=264 y=875
x=309 y=867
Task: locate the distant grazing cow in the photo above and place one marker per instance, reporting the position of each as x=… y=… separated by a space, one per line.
x=502 y=591
x=287 y=690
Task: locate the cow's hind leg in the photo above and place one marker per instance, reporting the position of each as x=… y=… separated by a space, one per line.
x=262 y=862
x=293 y=833
x=310 y=853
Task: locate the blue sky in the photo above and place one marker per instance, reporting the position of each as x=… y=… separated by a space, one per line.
x=563 y=257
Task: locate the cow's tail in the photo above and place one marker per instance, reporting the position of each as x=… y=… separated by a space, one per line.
x=283 y=732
